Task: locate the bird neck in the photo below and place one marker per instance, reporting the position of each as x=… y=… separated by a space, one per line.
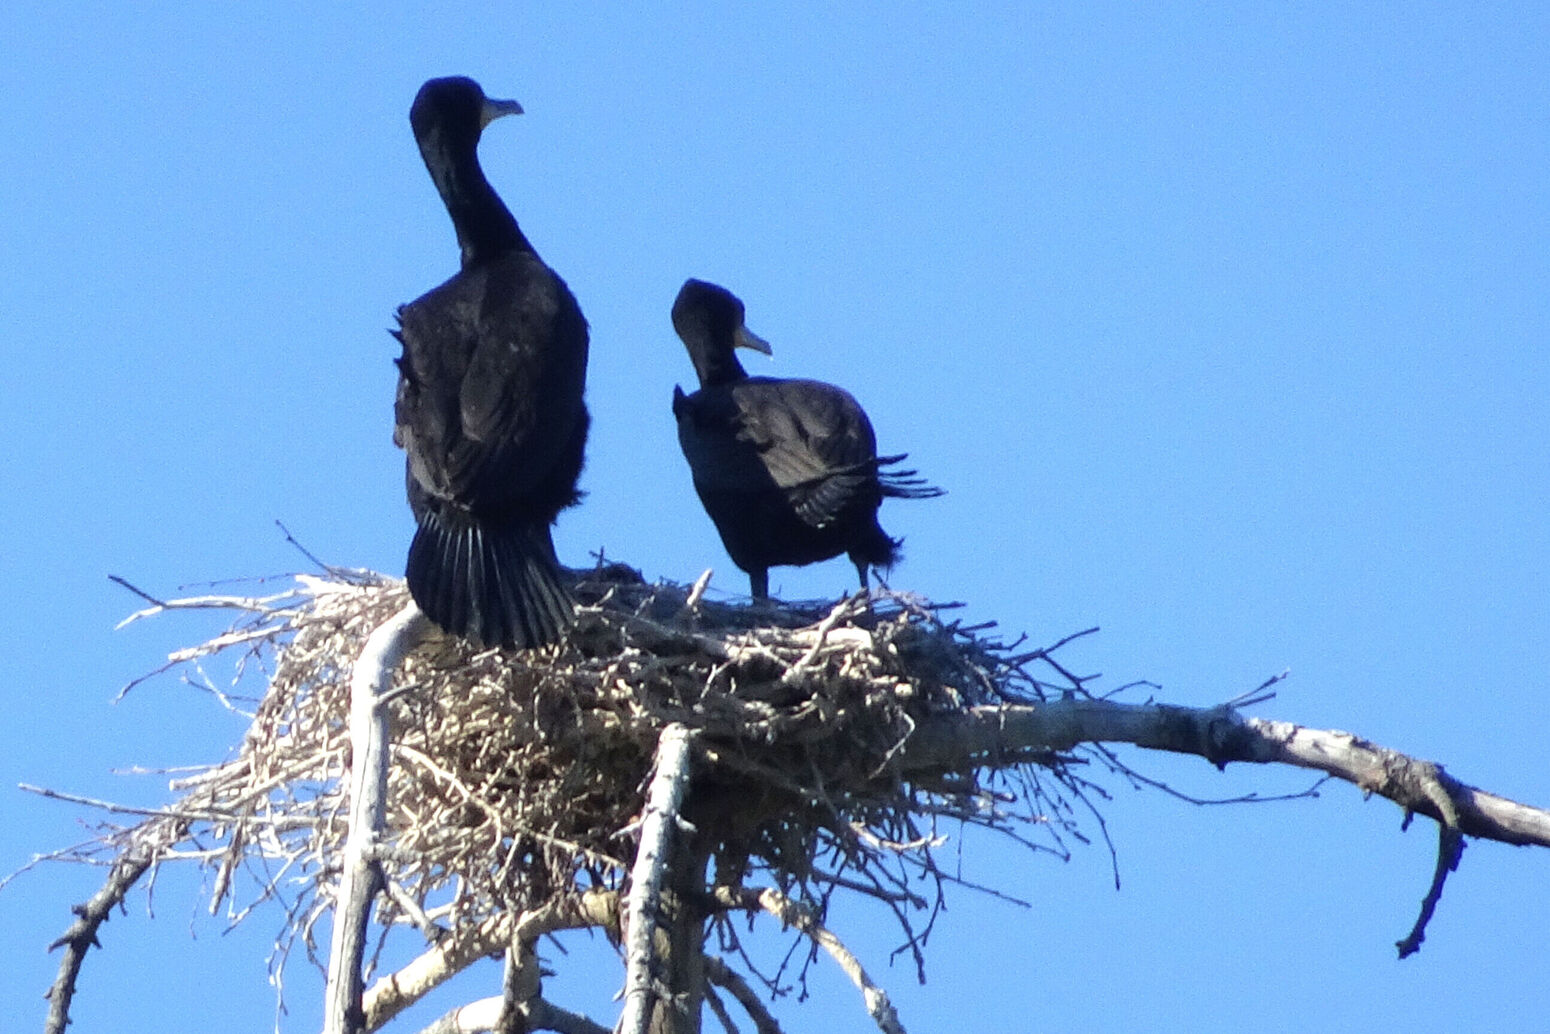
x=486 y=229
x=717 y=366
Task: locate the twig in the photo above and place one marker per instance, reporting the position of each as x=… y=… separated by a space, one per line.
x=696 y=594
x=82 y=934
x=303 y=550
x=258 y=604
x=801 y=919
x=123 y=809
x=1260 y=693
x=1450 y=851
x=842 y=610
x=724 y=976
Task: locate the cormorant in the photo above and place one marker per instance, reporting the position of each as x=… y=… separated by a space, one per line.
x=489 y=407
x=787 y=469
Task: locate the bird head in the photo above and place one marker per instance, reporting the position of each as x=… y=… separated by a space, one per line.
x=457 y=105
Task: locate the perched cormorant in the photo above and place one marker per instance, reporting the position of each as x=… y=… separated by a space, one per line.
x=489 y=407
x=787 y=469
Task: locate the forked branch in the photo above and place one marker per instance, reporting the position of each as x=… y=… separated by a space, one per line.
x=995 y=737
x=800 y=918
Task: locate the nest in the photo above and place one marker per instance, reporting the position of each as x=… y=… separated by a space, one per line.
x=517 y=777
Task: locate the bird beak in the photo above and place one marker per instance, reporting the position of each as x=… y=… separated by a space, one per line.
x=748 y=339
x=494 y=109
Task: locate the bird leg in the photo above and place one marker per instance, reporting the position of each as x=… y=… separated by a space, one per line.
x=866 y=587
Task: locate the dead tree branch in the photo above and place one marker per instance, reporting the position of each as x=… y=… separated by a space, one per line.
x=82 y=934
x=724 y=976
x=800 y=918
x=993 y=737
x=664 y=806
x=483 y=1015
x=999 y=737
x=396 y=992
x=360 y=879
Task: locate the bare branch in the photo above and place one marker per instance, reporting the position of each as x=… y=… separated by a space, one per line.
x=1450 y=850
x=998 y=737
x=358 y=883
x=800 y=918
x=397 y=991
x=483 y=1015
x=664 y=802
x=82 y=934
x=724 y=976
x=720 y=1010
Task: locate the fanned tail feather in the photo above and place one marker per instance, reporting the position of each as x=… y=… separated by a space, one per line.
x=820 y=500
x=904 y=484
x=496 y=586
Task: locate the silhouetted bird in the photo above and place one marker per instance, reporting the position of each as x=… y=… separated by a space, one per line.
x=787 y=469
x=489 y=407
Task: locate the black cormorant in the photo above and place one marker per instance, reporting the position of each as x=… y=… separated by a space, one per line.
x=489 y=407
x=787 y=469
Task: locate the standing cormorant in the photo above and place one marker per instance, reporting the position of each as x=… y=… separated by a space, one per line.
x=787 y=469
x=489 y=406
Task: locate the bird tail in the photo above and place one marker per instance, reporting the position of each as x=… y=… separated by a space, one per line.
x=494 y=585
x=903 y=484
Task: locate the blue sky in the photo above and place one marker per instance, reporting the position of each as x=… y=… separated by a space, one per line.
x=1224 y=326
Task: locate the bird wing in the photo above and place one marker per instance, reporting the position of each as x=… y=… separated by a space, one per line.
x=814 y=440
x=487 y=401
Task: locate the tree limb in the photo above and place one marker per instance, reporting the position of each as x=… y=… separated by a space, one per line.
x=397 y=991
x=998 y=737
x=359 y=880
x=483 y=1015
x=82 y=934
x=664 y=802
x=1450 y=850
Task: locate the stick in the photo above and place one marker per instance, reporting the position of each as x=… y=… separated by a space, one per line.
x=82 y=934
x=800 y=918
x=726 y=977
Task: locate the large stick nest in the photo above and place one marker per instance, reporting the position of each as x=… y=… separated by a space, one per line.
x=518 y=776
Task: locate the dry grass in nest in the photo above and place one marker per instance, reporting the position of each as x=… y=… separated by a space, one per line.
x=517 y=776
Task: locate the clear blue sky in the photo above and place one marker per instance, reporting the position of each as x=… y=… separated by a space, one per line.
x=1224 y=326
